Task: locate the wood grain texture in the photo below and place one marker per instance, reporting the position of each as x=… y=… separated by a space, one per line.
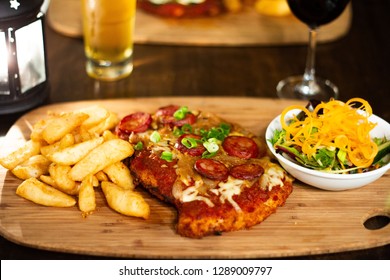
x=312 y=221
x=232 y=29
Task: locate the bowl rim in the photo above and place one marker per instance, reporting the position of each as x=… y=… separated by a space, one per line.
x=269 y=132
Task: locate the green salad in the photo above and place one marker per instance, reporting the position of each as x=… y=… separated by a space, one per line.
x=326 y=139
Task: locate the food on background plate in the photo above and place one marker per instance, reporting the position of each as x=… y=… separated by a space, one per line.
x=210 y=8
x=216 y=174
x=332 y=137
x=69 y=155
x=182 y=8
x=277 y=8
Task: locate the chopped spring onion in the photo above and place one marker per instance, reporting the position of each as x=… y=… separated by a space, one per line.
x=155 y=137
x=185 y=129
x=181 y=113
x=177 y=132
x=189 y=142
x=212 y=145
x=206 y=154
x=139 y=146
x=168 y=156
x=219 y=132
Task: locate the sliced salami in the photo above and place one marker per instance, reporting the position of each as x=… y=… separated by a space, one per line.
x=135 y=123
x=165 y=115
x=211 y=169
x=246 y=171
x=240 y=146
x=167 y=110
x=188 y=119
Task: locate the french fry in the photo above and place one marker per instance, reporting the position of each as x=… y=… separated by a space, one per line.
x=70 y=154
x=60 y=174
x=35 y=166
x=73 y=154
x=50 y=149
x=95 y=181
x=126 y=202
x=87 y=200
x=62 y=125
x=34 y=190
x=96 y=114
x=108 y=135
x=36 y=133
x=101 y=176
x=66 y=141
x=120 y=175
x=48 y=181
x=82 y=134
x=108 y=124
x=29 y=149
x=99 y=158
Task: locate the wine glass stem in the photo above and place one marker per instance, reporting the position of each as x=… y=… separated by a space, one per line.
x=309 y=85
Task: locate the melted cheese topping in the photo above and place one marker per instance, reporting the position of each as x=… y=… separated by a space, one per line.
x=192 y=194
x=228 y=189
x=273 y=176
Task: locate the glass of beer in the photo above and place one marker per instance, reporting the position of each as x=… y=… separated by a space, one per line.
x=108 y=28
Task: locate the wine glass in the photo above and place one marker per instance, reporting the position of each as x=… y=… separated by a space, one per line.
x=307 y=86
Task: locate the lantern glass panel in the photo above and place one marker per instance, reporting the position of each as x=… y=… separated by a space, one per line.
x=31 y=57
x=4 y=83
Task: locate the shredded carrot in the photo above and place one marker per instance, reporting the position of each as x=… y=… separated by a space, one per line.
x=339 y=125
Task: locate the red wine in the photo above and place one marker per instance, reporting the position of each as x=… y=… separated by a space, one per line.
x=317 y=12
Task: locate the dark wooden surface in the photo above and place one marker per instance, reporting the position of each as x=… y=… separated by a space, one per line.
x=357 y=63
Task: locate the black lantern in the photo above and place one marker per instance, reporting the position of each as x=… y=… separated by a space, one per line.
x=23 y=74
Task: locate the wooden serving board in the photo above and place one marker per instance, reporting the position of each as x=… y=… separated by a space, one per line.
x=232 y=29
x=311 y=222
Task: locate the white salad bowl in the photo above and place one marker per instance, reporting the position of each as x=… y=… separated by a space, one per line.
x=325 y=180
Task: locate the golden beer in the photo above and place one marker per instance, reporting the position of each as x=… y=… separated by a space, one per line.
x=108 y=37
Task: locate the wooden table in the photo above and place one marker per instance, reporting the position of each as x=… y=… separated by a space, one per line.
x=357 y=63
